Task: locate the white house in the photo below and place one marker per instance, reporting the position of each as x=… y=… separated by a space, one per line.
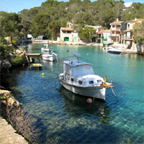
x=116 y=30
x=127 y=35
x=106 y=37
x=67 y=35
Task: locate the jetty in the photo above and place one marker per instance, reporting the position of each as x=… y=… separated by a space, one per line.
x=33 y=54
x=29 y=55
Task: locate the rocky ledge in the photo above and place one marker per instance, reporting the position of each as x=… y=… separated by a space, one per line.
x=8 y=134
x=23 y=123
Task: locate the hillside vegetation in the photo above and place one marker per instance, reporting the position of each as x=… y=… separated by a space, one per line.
x=51 y=15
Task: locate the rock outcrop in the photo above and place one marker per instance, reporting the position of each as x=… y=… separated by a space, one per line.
x=7 y=99
x=15 y=115
x=6 y=64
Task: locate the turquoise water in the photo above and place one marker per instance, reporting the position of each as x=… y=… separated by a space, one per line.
x=66 y=118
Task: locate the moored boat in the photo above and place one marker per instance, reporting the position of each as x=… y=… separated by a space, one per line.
x=36 y=66
x=49 y=56
x=115 y=50
x=45 y=49
x=78 y=77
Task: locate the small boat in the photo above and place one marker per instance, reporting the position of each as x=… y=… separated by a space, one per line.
x=78 y=77
x=115 y=50
x=45 y=49
x=36 y=66
x=49 y=56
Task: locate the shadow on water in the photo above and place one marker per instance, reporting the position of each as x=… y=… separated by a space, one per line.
x=78 y=105
x=29 y=126
x=83 y=135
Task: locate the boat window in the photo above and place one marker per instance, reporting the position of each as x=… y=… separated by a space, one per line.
x=91 y=82
x=99 y=81
x=82 y=70
x=80 y=82
x=72 y=79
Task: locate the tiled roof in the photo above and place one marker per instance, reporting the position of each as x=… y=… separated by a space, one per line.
x=137 y=20
x=116 y=22
x=106 y=31
x=66 y=28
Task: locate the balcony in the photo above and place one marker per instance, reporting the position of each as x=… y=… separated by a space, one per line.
x=115 y=35
x=128 y=38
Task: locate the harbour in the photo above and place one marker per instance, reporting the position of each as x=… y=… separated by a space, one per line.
x=65 y=117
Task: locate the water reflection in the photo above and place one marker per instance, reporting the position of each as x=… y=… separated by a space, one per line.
x=79 y=107
x=68 y=118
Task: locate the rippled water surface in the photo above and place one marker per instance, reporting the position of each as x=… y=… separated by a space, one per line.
x=66 y=118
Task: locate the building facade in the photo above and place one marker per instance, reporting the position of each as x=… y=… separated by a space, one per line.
x=67 y=35
x=127 y=34
x=116 y=31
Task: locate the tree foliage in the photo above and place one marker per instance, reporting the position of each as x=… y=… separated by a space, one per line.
x=10 y=25
x=4 y=48
x=138 y=32
x=52 y=14
x=87 y=34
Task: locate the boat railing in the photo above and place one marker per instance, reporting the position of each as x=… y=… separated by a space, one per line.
x=109 y=80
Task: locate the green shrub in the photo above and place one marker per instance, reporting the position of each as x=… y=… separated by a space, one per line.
x=17 y=60
x=4 y=48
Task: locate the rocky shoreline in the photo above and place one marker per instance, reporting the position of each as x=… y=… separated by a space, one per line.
x=7 y=132
x=14 y=126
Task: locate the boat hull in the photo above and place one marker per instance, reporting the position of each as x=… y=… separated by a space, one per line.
x=93 y=91
x=45 y=49
x=49 y=58
x=36 y=67
x=114 y=52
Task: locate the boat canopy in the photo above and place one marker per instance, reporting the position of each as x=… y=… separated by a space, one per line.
x=76 y=69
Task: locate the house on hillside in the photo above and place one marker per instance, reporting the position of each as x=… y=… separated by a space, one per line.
x=127 y=34
x=68 y=35
x=116 y=31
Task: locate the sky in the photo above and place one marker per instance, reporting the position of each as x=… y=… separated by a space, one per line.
x=18 y=5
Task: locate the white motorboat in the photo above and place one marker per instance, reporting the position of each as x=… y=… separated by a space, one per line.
x=50 y=56
x=78 y=77
x=115 y=50
x=45 y=49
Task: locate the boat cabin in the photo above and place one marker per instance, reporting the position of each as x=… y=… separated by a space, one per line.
x=77 y=68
